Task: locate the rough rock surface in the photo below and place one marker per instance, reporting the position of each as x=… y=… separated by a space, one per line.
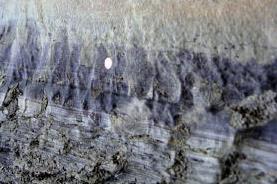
x=191 y=96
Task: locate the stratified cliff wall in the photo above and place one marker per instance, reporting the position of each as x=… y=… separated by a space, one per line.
x=191 y=96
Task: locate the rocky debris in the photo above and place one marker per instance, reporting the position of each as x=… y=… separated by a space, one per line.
x=255 y=110
x=230 y=170
x=179 y=169
x=108 y=169
x=10 y=103
x=44 y=104
x=179 y=134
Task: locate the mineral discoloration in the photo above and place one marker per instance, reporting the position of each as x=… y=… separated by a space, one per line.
x=254 y=111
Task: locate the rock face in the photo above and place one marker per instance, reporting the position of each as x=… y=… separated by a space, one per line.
x=191 y=96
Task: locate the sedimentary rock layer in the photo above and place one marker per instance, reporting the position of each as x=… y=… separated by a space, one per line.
x=191 y=96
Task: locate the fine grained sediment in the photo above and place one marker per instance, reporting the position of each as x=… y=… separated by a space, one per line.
x=183 y=113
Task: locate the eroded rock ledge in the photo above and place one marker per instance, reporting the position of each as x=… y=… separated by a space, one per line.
x=159 y=115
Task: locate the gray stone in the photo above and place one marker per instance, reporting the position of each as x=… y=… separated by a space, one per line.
x=190 y=97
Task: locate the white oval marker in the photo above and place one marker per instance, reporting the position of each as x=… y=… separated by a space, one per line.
x=108 y=63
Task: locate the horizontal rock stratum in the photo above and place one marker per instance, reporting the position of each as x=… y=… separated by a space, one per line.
x=190 y=95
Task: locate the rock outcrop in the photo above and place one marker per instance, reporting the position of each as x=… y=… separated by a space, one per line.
x=191 y=96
